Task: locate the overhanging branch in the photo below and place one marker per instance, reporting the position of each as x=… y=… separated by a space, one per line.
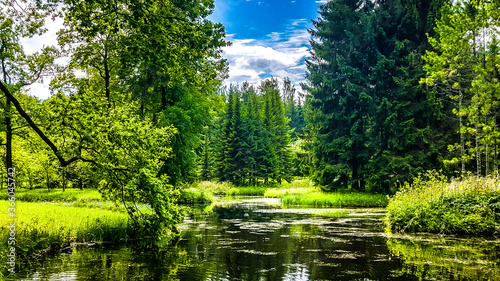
x=32 y=124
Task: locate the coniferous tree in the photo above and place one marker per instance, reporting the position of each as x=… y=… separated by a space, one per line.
x=293 y=109
x=338 y=72
x=254 y=141
x=252 y=127
x=366 y=111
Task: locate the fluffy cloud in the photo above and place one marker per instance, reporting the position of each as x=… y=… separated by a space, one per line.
x=281 y=55
x=39 y=90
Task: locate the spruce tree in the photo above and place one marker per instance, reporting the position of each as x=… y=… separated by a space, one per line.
x=252 y=128
x=368 y=118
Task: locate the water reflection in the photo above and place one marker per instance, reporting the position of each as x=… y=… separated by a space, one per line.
x=431 y=257
x=258 y=242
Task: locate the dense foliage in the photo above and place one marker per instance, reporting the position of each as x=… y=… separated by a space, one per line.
x=131 y=123
x=370 y=124
x=251 y=139
x=399 y=87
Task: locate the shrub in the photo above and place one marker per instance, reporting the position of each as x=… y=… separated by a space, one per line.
x=470 y=206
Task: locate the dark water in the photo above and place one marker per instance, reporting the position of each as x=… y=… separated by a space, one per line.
x=252 y=241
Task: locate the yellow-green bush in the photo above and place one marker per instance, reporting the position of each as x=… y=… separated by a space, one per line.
x=432 y=204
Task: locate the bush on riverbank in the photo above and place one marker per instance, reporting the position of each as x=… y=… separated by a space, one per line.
x=470 y=206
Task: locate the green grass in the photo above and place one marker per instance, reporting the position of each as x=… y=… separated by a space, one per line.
x=305 y=194
x=193 y=195
x=41 y=226
x=215 y=188
x=247 y=191
x=339 y=200
x=55 y=195
x=469 y=207
x=290 y=191
x=224 y=188
x=299 y=192
x=332 y=214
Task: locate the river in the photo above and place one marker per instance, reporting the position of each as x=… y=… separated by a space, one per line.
x=255 y=239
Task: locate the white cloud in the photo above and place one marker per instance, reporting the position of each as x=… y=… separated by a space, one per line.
x=297 y=38
x=251 y=60
x=39 y=90
x=36 y=43
x=296 y=22
x=275 y=36
x=49 y=38
x=281 y=55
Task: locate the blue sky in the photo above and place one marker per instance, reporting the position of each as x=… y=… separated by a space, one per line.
x=270 y=38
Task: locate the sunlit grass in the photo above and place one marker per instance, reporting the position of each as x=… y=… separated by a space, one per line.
x=42 y=226
x=339 y=200
x=247 y=191
x=290 y=191
x=470 y=206
x=194 y=195
x=304 y=193
x=332 y=214
x=216 y=188
x=69 y=195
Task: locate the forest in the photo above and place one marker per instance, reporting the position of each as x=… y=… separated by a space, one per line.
x=399 y=93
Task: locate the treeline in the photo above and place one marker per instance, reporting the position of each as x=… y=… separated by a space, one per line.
x=250 y=142
x=398 y=87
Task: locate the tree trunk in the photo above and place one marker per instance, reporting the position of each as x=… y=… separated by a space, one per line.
x=478 y=152
x=163 y=98
x=487 y=160
x=462 y=142
x=8 y=123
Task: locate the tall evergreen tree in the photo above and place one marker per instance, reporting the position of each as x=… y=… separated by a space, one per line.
x=252 y=128
x=338 y=72
x=365 y=104
x=293 y=108
x=277 y=132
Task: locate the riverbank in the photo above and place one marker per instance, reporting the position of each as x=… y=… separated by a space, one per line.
x=467 y=207
x=297 y=193
x=50 y=227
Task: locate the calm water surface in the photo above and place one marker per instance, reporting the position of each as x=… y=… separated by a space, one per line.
x=254 y=240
